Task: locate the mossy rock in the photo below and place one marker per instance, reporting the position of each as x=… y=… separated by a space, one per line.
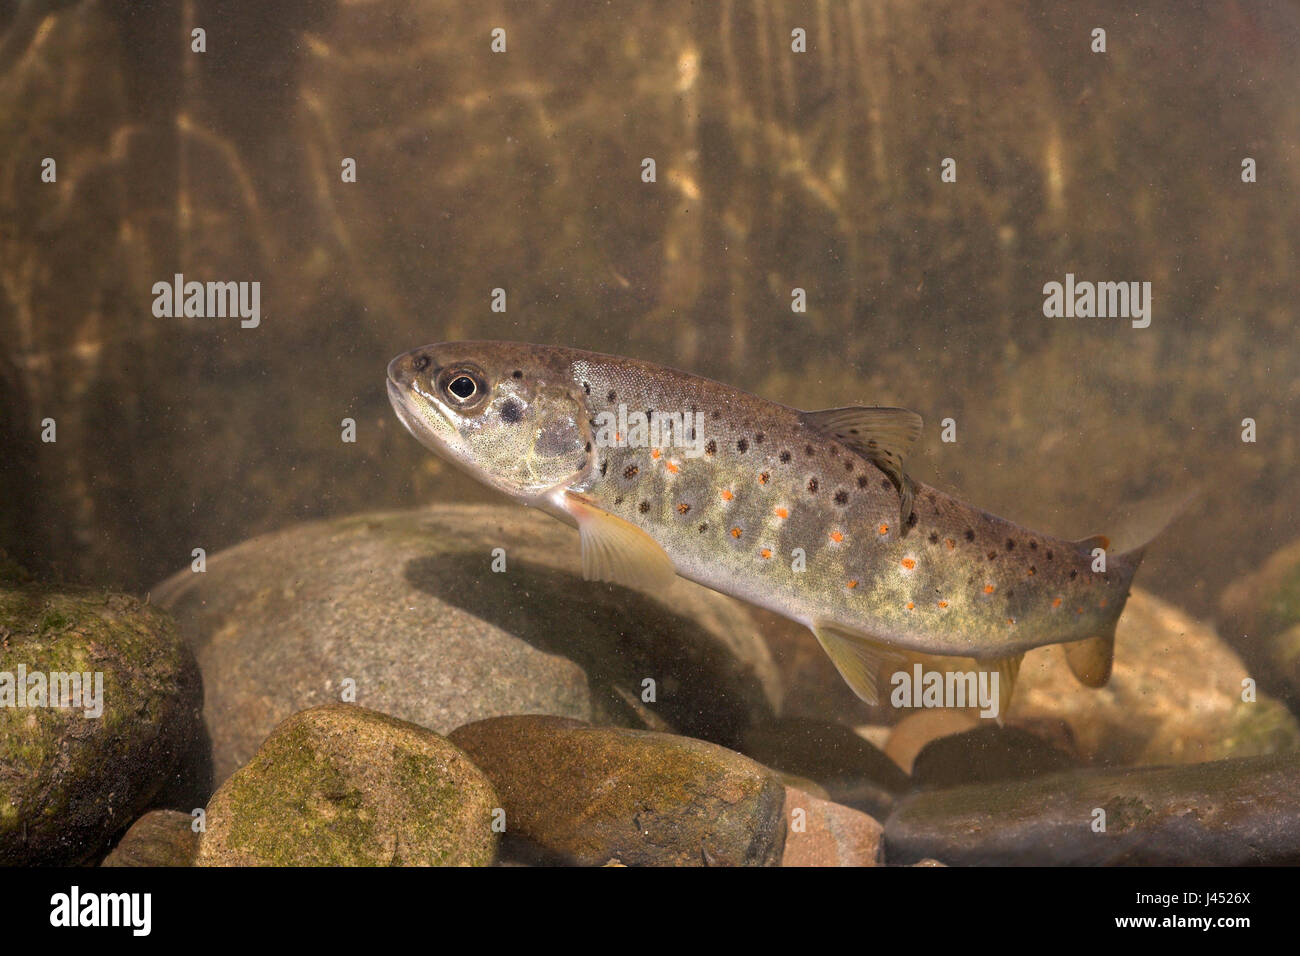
x=578 y=794
x=344 y=786
x=1259 y=613
x=70 y=782
x=407 y=606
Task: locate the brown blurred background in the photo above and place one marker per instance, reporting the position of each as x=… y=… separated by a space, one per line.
x=522 y=170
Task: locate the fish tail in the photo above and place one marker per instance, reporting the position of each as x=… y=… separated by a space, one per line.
x=1092 y=659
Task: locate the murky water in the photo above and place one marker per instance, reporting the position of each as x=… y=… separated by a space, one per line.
x=825 y=204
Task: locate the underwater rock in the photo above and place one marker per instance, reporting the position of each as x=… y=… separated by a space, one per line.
x=72 y=777
x=159 y=838
x=986 y=754
x=911 y=735
x=1175 y=696
x=406 y=605
x=851 y=770
x=1236 y=812
x=823 y=833
x=579 y=794
x=1259 y=614
x=341 y=785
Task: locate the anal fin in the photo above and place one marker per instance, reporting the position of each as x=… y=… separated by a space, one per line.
x=858 y=657
x=1091 y=660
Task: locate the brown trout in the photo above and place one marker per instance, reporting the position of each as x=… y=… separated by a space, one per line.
x=808 y=514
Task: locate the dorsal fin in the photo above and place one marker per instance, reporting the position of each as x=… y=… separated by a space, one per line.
x=881 y=435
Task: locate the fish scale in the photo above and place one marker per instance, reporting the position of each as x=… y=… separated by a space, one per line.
x=798 y=512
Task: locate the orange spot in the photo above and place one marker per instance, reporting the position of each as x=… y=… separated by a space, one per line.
x=1011 y=620
x=782 y=513
x=910 y=605
x=951 y=543
x=908 y=563
x=766 y=553
x=988 y=589
x=727 y=495
x=884 y=529
x=683 y=508
x=1032 y=572
x=1056 y=602
x=943 y=604
x=618 y=436
x=656 y=453
x=671 y=467
x=853 y=583
x=735 y=532
x=1078 y=610
x=1103 y=602
x=836 y=537
x=762 y=479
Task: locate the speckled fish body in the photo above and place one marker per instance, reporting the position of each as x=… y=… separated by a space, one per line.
x=781 y=508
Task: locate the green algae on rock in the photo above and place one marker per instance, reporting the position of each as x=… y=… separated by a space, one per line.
x=70 y=782
x=345 y=786
x=578 y=794
x=405 y=604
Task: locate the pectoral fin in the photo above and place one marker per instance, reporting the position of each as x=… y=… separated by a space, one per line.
x=858 y=657
x=618 y=551
x=881 y=435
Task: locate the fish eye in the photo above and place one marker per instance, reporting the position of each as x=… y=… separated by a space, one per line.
x=463 y=386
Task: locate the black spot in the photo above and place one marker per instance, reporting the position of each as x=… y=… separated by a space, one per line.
x=853 y=431
x=841 y=497
x=812 y=485
x=717 y=414
x=970 y=535
x=421 y=363
x=711 y=448
x=758 y=437
x=611 y=396
x=911 y=519
x=992 y=555
x=643 y=507
x=630 y=471
x=516 y=374
x=785 y=457
x=743 y=445
x=618 y=500
x=588 y=446
x=872 y=443
x=848 y=465
x=1073 y=575
x=886 y=484
x=835 y=449
x=863 y=481
x=604 y=466
x=1049 y=556
x=1011 y=545
x=704 y=526
x=649 y=414
x=1033 y=569
x=808 y=450
x=586 y=387
x=512 y=411
x=1033 y=545
x=934 y=537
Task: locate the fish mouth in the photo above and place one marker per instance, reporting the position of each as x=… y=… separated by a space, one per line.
x=419 y=413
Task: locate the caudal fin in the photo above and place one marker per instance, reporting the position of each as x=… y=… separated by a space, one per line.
x=1092 y=660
